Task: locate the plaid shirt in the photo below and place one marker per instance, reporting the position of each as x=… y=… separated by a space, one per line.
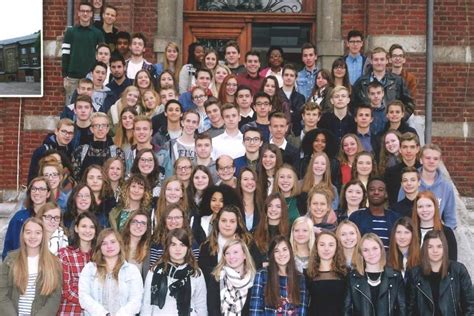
x=73 y=261
x=257 y=300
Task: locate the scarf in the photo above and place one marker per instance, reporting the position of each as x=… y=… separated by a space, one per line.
x=180 y=289
x=233 y=291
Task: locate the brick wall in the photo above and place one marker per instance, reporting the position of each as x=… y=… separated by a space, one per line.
x=453 y=85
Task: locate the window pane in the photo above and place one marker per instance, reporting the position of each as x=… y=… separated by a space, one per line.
x=280 y=6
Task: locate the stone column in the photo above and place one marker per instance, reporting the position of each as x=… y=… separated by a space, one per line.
x=329 y=40
x=170 y=26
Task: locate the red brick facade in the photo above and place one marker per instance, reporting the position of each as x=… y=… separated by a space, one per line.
x=453 y=83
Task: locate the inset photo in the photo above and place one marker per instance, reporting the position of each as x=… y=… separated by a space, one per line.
x=21 y=49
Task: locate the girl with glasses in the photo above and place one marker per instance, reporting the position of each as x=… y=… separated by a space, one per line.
x=136 y=238
x=51 y=216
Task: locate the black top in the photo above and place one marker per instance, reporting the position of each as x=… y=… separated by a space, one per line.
x=403 y=207
x=327 y=294
x=435 y=278
x=374 y=290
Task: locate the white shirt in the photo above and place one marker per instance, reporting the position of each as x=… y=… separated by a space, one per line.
x=225 y=144
x=133 y=68
x=282 y=146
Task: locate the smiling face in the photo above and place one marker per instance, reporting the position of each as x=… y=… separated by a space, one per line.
x=213 y=112
x=220 y=75
x=115 y=171
x=190 y=123
x=371 y=252
x=127 y=120
x=146 y=163
x=32 y=235
x=379 y=61
x=183 y=170
x=85 y=229
x=231 y=86
x=138 y=225
x=319 y=207
x=301 y=233
x=410 y=182
x=110 y=246
x=166 y=79
x=395 y=113
x=217 y=202
x=364 y=165
x=320 y=80
x=270 y=87
x=286 y=180
x=199 y=97
x=54 y=177
x=137 y=191
x=173 y=192
x=430 y=159
x=142 y=132
x=274 y=210
x=392 y=143
x=248 y=182
x=132 y=97
x=326 y=247
x=252 y=64
x=425 y=209
x=100 y=128
x=171 y=54
x=349 y=145
x=319 y=166
x=227 y=224
x=319 y=143
x=83 y=200
x=403 y=237
x=269 y=160
x=235 y=257
x=150 y=100
x=354 y=195
x=175 y=219
x=51 y=220
x=143 y=80
x=200 y=180
x=348 y=236
x=210 y=60
x=282 y=254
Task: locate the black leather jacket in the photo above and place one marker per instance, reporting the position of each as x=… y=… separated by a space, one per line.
x=456 y=296
x=394 y=88
x=391 y=300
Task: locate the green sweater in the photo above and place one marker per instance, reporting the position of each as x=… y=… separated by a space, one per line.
x=78 y=50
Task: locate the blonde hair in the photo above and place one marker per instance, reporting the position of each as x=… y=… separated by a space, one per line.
x=358 y=260
x=249 y=264
x=98 y=257
x=49 y=268
x=309 y=223
x=177 y=64
x=295 y=190
x=308 y=180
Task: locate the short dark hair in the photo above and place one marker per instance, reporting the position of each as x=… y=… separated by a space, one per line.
x=308 y=46
x=374 y=84
x=410 y=169
x=123 y=35
x=210 y=101
x=243 y=87
x=100 y=45
x=100 y=64
x=140 y=36
x=252 y=53
x=87 y=3
x=117 y=57
x=175 y=102
x=203 y=70
x=291 y=67
x=232 y=43
x=363 y=106
x=261 y=94
x=375 y=178
x=202 y=136
x=394 y=47
x=109 y=6
x=252 y=129
x=355 y=33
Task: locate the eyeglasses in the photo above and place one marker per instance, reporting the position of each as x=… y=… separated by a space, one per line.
x=174 y=218
x=66 y=133
x=38 y=189
x=355 y=42
x=262 y=103
x=50 y=218
x=85 y=11
x=83 y=196
x=226 y=168
x=252 y=139
x=100 y=126
x=146 y=160
x=183 y=168
x=51 y=175
x=199 y=97
x=138 y=223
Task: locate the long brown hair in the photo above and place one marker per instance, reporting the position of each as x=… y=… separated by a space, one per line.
x=49 y=268
x=342 y=200
x=183 y=236
x=222 y=96
x=373 y=173
x=384 y=154
x=262 y=234
x=394 y=253
x=358 y=261
x=338 y=262
x=437 y=224
x=177 y=63
x=140 y=180
x=342 y=157
x=29 y=202
x=120 y=138
x=272 y=288
x=262 y=173
x=257 y=194
x=161 y=204
x=241 y=230
x=425 y=260
x=161 y=230
x=144 y=243
x=98 y=257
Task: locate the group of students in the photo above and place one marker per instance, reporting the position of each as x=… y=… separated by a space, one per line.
x=226 y=189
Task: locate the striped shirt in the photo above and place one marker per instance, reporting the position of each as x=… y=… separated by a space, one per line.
x=25 y=301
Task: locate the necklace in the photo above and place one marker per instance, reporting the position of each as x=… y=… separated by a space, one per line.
x=374 y=282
